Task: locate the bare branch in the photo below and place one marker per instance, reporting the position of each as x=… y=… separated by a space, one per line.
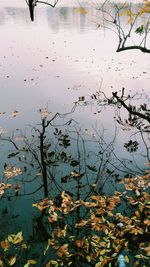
x=46 y=3
x=130 y=110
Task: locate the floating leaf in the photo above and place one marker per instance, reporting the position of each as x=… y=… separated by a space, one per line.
x=75 y=174
x=127 y=259
x=81 y=98
x=2 y=113
x=11 y=171
x=147 y=250
x=102 y=252
x=12 y=261
x=31 y=262
x=14 y=113
x=15 y=239
x=5 y=244
x=52 y=263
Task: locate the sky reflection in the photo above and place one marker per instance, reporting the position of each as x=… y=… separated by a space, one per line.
x=59 y=57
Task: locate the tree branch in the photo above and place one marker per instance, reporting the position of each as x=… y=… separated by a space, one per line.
x=132 y=47
x=130 y=110
x=46 y=3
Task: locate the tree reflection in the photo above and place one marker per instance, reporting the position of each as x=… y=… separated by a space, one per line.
x=58 y=155
x=33 y=3
x=130 y=115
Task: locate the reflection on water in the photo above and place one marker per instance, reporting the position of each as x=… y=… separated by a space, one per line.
x=59 y=58
x=55 y=61
x=17 y=15
x=58 y=18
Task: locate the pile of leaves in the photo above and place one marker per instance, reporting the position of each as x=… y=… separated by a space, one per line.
x=12 y=251
x=94 y=232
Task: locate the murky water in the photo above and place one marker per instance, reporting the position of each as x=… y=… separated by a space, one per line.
x=57 y=59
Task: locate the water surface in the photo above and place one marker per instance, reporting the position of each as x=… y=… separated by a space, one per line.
x=57 y=59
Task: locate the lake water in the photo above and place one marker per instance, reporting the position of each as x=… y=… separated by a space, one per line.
x=57 y=58
x=53 y=62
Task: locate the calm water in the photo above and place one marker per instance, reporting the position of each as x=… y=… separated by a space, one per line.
x=58 y=58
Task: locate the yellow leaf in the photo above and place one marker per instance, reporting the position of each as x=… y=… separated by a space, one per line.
x=44 y=204
x=137 y=213
x=24 y=246
x=18 y=238
x=102 y=263
x=81 y=224
x=147 y=222
x=98 y=264
x=106 y=231
x=147 y=250
x=1 y=263
x=11 y=171
x=10 y=238
x=88 y=258
x=114 y=255
x=75 y=174
x=53 y=263
x=32 y=262
x=102 y=244
x=127 y=259
x=102 y=252
x=12 y=261
x=88 y=204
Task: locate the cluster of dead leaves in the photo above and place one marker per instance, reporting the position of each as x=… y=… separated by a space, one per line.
x=98 y=230
x=95 y=232
x=3 y=188
x=16 y=242
x=11 y=171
